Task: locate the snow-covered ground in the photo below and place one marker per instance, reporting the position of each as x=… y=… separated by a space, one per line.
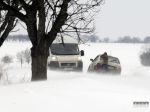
x=77 y=92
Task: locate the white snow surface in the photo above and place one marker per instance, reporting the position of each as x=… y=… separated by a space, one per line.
x=76 y=92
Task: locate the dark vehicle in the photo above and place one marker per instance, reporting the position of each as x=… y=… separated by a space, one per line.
x=113 y=65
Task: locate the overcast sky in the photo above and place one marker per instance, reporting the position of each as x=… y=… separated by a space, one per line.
x=123 y=17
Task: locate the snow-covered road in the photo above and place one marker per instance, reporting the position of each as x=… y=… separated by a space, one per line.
x=78 y=92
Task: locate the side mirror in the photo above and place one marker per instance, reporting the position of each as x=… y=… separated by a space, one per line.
x=82 y=53
x=91 y=60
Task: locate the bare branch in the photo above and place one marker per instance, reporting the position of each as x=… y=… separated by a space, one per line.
x=9 y=27
x=14 y=11
x=59 y=22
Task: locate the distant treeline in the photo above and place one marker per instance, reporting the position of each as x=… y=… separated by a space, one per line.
x=93 y=39
x=128 y=39
x=17 y=38
x=125 y=39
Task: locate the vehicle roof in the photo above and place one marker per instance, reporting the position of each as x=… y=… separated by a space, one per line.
x=66 y=43
x=109 y=56
x=66 y=40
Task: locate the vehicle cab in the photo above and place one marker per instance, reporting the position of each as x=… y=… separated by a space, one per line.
x=65 y=56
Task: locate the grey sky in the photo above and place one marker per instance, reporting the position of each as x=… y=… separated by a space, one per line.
x=123 y=17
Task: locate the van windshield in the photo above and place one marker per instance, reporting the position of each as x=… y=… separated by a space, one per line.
x=64 y=49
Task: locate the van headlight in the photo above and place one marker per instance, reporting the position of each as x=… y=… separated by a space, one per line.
x=79 y=58
x=53 y=58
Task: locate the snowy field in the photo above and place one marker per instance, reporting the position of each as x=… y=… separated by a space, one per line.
x=76 y=92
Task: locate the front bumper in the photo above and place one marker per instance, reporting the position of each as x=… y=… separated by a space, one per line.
x=67 y=66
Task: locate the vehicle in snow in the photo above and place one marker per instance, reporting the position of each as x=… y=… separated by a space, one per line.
x=65 y=56
x=113 y=65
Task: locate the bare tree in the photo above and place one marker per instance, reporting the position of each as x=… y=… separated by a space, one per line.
x=27 y=55
x=45 y=20
x=7 y=59
x=106 y=40
x=20 y=57
x=1 y=72
x=147 y=39
x=145 y=55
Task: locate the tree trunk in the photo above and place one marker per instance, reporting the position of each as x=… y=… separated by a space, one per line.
x=39 y=57
x=39 y=68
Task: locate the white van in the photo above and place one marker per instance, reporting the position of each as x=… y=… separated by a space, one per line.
x=65 y=56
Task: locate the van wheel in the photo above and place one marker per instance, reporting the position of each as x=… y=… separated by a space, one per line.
x=53 y=65
x=80 y=66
